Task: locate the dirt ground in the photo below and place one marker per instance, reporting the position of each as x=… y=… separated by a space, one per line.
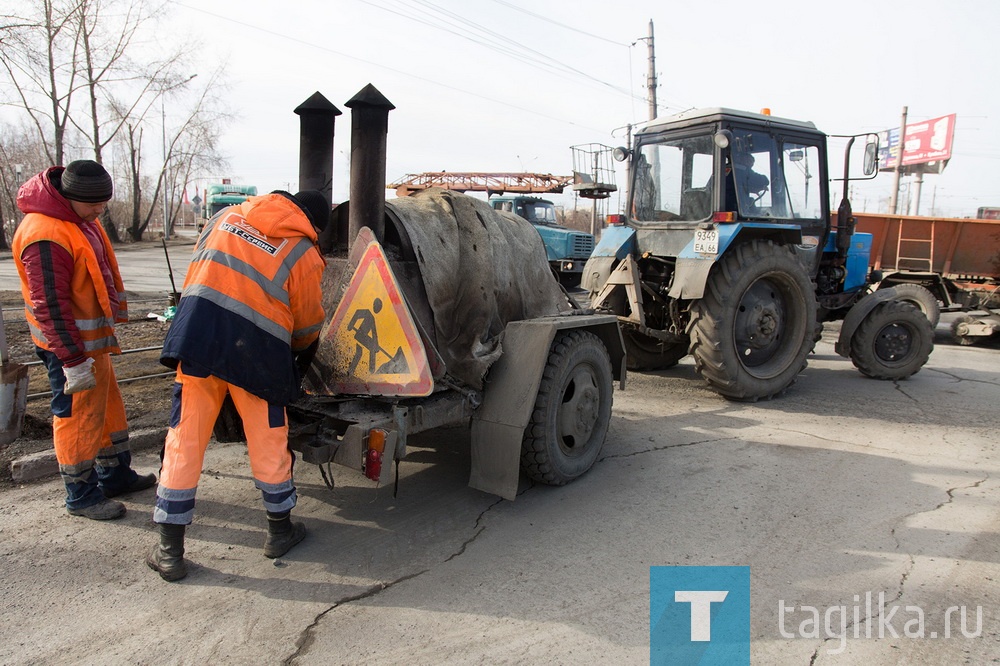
x=147 y=401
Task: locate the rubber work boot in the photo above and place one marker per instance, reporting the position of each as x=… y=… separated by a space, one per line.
x=141 y=482
x=282 y=534
x=167 y=557
x=106 y=509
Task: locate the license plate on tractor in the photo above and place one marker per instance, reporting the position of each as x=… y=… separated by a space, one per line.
x=706 y=241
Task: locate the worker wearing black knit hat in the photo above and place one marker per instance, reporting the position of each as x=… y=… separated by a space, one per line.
x=86 y=181
x=73 y=295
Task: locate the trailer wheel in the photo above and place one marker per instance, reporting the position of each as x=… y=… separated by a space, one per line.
x=572 y=410
x=753 y=329
x=893 y=342
x=645 y=353
x=922 y=298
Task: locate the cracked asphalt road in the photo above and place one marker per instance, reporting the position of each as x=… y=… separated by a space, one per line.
x=839 y=491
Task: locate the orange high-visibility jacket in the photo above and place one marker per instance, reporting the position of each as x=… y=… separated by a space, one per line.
x=251 y=299
x=91 y=306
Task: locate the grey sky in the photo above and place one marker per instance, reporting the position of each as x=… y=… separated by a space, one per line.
x=507 y=85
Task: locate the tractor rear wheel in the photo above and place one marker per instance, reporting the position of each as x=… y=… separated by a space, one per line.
x=572 y=410
x=893 y=341
x=753 y=329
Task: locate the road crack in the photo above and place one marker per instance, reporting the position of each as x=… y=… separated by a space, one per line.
x=958 y=378
x=307 y=636
x=654 y=449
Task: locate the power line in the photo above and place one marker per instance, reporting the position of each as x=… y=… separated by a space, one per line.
x=381 y=66
x=561 y=25
x=488 y=39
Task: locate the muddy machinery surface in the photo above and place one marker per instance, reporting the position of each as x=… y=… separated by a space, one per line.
x=442 y=311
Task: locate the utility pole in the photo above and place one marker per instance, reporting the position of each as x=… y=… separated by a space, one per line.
x=894 y=199
x=651 y=76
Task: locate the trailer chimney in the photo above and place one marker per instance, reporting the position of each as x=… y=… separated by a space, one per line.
x=369 y=126
x=316 y=120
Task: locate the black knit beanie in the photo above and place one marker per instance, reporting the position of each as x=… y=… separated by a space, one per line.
x=86 y=181
x=316 y=206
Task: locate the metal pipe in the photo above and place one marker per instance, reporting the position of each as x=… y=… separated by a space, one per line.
x=127 y=380
x=894 y=197
x=317 y=117
x=369 y=127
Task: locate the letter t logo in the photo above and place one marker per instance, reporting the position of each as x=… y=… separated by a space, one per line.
x=701 y=606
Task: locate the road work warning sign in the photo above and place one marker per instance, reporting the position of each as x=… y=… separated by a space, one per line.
x=376 y=342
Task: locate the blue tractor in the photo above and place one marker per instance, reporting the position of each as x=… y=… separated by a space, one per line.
x=727 y=252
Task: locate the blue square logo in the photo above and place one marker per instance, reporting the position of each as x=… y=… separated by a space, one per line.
x=699 y=615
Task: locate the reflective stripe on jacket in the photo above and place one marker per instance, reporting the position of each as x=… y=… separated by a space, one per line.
x=91 y=305
x=251 y=299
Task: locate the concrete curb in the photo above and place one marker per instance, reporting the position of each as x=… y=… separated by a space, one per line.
x=43 y=465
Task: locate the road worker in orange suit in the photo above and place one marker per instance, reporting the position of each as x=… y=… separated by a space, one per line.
x=247 y=323
x=73 y=295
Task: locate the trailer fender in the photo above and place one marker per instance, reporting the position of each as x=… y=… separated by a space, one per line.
x=511 y=387
x=857 y=314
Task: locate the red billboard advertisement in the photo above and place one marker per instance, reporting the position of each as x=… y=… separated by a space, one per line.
x=926 y=141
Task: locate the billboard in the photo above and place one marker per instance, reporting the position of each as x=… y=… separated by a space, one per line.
x=924 y=142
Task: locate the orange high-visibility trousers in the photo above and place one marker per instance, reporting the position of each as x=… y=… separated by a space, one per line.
x=196 y=405
x=89 y=433
x=94 y=425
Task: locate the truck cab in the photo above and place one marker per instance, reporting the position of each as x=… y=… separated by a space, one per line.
x=223 y=195
x=567 y=249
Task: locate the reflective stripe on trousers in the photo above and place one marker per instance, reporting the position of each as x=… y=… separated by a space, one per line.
x=196 y=405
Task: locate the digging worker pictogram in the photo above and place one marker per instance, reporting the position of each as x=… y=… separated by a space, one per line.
x=365 y=331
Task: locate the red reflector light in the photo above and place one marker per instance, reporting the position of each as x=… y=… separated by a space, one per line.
x=724 y=216
x=616 y=220
x=373 y=456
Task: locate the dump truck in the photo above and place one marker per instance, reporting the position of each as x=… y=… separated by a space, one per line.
x=940 y=264
x=728 y=252
x=442 y=311
x=567 y=249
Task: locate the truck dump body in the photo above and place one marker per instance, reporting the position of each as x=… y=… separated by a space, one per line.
x=957 y=248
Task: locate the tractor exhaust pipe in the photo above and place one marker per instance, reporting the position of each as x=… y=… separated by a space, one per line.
x=369 y=126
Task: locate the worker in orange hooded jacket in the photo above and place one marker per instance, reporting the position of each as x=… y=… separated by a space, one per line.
x=250 y=312
x=73 y=295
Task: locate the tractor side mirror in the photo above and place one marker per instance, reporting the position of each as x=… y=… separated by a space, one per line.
x=871 y=157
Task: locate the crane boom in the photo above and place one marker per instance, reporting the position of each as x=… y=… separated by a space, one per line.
x=493 y=183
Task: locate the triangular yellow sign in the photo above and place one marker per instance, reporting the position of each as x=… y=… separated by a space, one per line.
x=375 y=341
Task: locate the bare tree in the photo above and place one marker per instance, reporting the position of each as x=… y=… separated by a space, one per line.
x=21 y=156
x=39 y=54
x=62 y=47
x=191 y=148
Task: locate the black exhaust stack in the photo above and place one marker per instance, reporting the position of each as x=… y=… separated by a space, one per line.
x=317 y=117
x=369 y=126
